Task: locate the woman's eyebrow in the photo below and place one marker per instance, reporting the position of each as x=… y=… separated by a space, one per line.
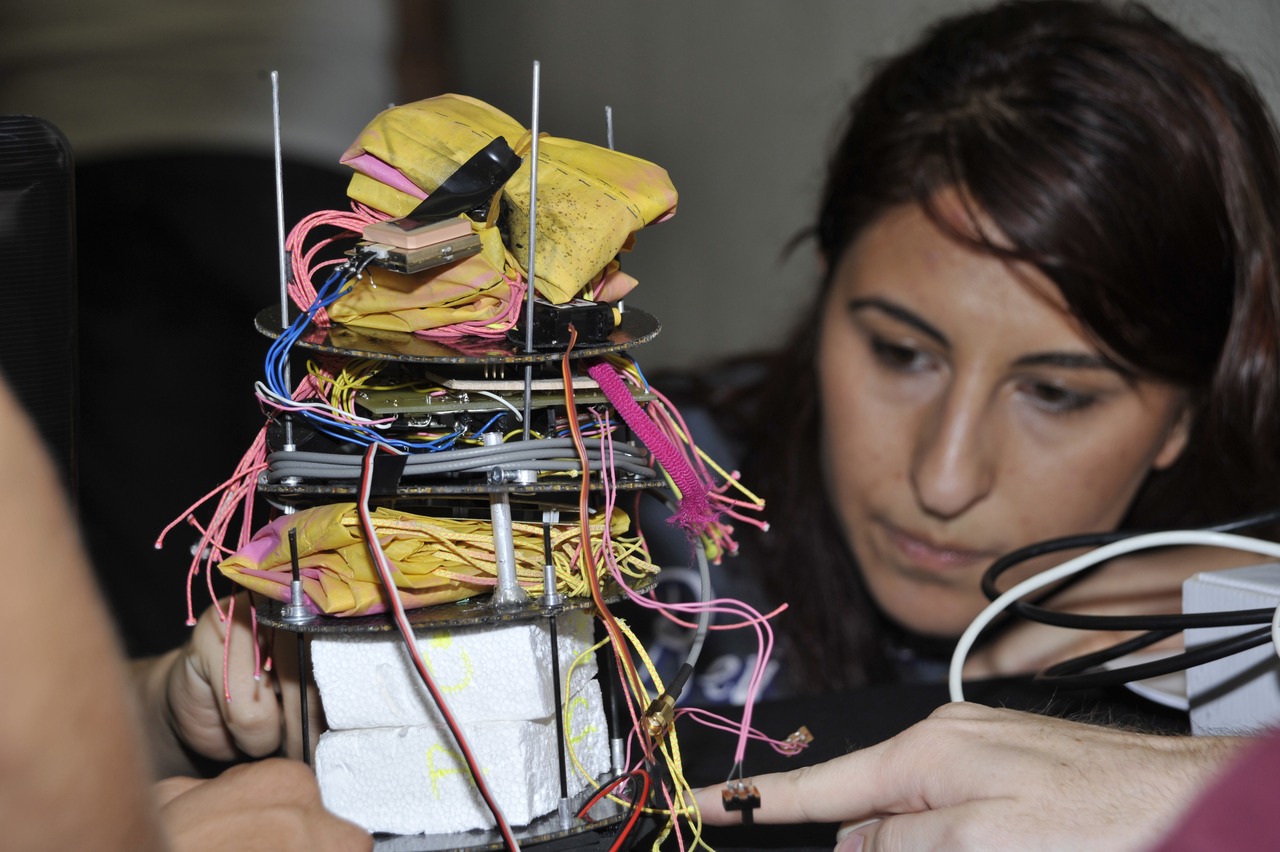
x=1066 y=360
x=1069 y=360
x=899 y=313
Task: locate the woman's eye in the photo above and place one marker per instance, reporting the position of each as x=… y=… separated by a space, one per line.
x=897 y=357
x=1057 y=399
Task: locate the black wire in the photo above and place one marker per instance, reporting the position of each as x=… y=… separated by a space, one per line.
x=1178 y=621
x=1164 y=621
x=1088 y=661
x=1114 y=677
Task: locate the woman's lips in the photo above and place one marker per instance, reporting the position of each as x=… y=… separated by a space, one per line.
x=925 y=554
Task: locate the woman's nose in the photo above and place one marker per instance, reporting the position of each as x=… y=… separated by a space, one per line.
x=954 y=458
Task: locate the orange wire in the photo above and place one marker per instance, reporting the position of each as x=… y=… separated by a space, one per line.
x=588 y=556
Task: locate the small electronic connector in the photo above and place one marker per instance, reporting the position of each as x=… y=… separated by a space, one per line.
x=661 y=712
x=594 y=322
x=741 y=795
x=800 y=738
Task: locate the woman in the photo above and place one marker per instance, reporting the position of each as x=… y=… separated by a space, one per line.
x=1050 y=306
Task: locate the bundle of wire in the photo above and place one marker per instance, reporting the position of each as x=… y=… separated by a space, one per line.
x=715 y=481
x=678 y=803
x=437 y=559
x=324 y=417
x=237 y=493
x=544 y=455
x=1107 y=546
x=305 y=251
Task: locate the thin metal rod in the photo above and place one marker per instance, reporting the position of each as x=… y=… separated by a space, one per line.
x=533 y=244
x=551 y=596
x=558 y=692
x=279 y=163
x=608 y=135
x=280 y=250
x=304 y=680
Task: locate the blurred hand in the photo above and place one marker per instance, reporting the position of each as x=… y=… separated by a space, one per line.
x=975 y=778
x=184 y=696
x=270 y=805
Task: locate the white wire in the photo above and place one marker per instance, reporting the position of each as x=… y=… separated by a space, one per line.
x=1275 y=631
x=514 y=410
x=344 y=418
x=1093 y=557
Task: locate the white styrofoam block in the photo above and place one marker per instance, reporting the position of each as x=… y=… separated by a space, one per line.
x=1240 y=693
x=486 y=673
x=413 y=780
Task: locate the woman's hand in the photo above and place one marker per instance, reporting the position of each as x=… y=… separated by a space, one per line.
x=267 y=805
x=185 y=699
x=975 y=778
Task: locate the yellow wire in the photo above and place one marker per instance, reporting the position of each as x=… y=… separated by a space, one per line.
x=451 y=537
x=681 y=792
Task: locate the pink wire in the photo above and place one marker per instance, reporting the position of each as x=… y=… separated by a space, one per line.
x=494 y=328
x=721 y=606
x=349 y=223
x=303 y=292
x=719 y=723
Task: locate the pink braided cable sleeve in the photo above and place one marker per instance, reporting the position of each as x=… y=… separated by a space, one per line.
x=695 y=513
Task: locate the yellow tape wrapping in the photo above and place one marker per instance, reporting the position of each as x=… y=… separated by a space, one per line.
x=591 y=201
x=434 y=560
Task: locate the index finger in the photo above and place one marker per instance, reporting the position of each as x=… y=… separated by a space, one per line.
x=845 y=788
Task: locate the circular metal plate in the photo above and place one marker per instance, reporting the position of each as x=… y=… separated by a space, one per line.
x=322 y=491
x=472 y=611
x=605 y=818
x=637 y=327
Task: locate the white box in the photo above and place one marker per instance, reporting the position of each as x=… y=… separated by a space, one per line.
x=1240 y=693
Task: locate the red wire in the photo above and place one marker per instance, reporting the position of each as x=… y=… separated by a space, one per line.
x=402 y=622
x=605 y=790
x=626 y=664
x=637 y=804
x=637 y=807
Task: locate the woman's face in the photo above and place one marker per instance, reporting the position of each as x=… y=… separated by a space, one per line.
x=966 y=414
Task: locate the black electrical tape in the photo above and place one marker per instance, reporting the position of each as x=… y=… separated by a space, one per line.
x=471 y=187
x=388 y=468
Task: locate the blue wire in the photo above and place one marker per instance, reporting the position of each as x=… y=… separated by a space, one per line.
x=337 y=286
x=639 y=372
x=486 y=426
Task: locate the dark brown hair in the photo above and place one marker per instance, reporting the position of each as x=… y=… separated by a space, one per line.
x=1136 y=169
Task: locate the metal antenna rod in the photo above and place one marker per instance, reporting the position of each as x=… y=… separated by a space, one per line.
x=275 y=133
x=533 y=245
x=284 y=275
x=608 y=136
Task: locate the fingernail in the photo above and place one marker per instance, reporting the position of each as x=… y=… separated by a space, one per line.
x=851 y=843
x=849 y=838
x=848 y=828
